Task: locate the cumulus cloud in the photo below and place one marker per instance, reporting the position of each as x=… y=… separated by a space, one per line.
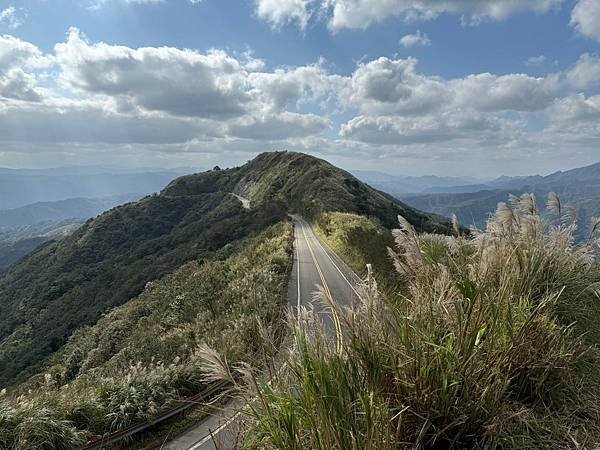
x=400 y=106
x=18 y=62
x=585 y=72
x=585 y=17
x=576 y=108
x=285 y=125
x=386 y=86
x=151 y=96
x=449 y=125
x=281 y=12
x=290 y=87
x=418 y=38
x=359 y=14
x=513 y=92
x=180 y=82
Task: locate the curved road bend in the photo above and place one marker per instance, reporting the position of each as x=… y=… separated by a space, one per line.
x=314 y=264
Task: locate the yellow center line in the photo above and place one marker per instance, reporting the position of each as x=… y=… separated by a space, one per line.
x=336 y=320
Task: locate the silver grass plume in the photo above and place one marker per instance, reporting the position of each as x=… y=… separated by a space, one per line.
x=505 y=215
x=213 y=364
x=554 y=204
x=455 y=225
x=528 y=204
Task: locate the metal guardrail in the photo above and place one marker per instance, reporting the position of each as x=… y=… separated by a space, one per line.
x=125 y=433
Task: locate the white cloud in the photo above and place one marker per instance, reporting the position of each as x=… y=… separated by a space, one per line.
x=585 y=17
x=359 y=14
x=280 y=126
x=179 y=82
x=585 y=72
x=12 y=17
x=290 y=87
x=576 y=108
x=513 y=92
x=418 y=38
x=450 y=125
x=151 y=96
x=535 y=61
x=282 y=12
x=386 y=86
x=18 y=62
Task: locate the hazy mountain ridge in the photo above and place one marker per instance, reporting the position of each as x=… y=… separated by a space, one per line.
x=579 y=187
x=72 y=208
x=395 y=185
x=23 y=229
x=24 y=187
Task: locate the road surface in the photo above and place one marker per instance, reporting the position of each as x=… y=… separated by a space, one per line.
x=314 y=265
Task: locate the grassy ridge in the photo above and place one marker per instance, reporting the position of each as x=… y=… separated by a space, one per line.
x=359 y=241
x=143 y=355
x=478 y=350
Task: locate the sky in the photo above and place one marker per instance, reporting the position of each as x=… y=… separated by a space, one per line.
x=408 y=87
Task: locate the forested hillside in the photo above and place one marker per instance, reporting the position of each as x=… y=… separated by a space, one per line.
x=144 y=356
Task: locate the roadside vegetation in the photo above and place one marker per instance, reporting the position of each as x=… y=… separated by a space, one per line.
x=490 y=343
x=143 y=356
x=359 y=241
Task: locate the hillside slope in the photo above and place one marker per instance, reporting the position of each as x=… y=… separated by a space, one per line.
x=68 y=284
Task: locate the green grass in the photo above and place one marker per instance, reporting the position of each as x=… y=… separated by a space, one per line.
x=477 y=350
x=143 y=356
x=359 y=241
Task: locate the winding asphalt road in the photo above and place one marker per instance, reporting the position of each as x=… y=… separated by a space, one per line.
x=314 y=265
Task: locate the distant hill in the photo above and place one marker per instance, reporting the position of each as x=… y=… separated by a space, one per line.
x=72 y=208
x=579 y=187
x=396 y=185
x=23 y=187
x=69 y=284
x=23 y=229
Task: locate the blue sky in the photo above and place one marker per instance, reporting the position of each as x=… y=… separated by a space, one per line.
x=461 y=87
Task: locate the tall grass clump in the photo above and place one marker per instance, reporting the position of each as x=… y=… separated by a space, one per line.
x=490 y=343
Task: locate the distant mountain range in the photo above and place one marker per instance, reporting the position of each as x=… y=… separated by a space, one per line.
x=395 y=185
x=20 y=187
x=60 y=210
x=472 y=205
x=23 y=229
